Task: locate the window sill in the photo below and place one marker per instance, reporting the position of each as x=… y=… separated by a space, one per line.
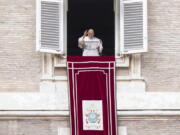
x=60 y=62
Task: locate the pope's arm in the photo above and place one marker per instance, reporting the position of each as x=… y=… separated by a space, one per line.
x=81 y=42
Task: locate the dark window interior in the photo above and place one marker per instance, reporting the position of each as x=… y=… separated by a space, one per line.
x=95 y=14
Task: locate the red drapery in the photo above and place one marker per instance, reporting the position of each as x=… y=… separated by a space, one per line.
x=92 y=95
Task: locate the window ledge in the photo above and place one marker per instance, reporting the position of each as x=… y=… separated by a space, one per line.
x=120 y=61
x=64 y=78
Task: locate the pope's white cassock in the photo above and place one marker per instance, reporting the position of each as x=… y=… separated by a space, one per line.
x=91 y=46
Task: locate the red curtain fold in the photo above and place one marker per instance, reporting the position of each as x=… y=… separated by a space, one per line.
x=92 y=95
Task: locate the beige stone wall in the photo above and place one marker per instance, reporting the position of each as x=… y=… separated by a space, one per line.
x=32 y=126
x=20 y=64
x=161 y=65
x=149 y=126
x=50 y=126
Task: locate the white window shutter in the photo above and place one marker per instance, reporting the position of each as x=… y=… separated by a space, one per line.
x=50 y=23
x=133 y=26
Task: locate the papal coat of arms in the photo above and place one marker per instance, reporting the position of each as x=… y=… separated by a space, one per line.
x=92 y=115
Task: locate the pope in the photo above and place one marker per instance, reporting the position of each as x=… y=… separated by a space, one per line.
x=91 y=45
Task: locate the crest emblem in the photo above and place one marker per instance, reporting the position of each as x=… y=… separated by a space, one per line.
x=92 y=115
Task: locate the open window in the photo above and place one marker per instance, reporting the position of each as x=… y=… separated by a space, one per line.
x=95 y=14
x=133 y=26
x=50 y=26
x=127 y=26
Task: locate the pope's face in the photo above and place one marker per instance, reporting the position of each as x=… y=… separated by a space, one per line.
x=91 y=33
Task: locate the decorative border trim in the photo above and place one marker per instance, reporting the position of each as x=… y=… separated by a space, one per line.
x=107 y=90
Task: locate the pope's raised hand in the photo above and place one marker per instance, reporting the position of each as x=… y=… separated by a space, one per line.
x=85 y=33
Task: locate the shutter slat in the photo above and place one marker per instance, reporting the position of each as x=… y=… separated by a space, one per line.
x=134 y=19
x=50 y=23
x=51 y=26
x=133 y=26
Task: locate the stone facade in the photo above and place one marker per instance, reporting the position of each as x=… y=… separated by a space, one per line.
x=161 y=62
x=34 y=97
x=20 y=66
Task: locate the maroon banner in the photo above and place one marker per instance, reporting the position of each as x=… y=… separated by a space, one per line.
x=92 y=95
